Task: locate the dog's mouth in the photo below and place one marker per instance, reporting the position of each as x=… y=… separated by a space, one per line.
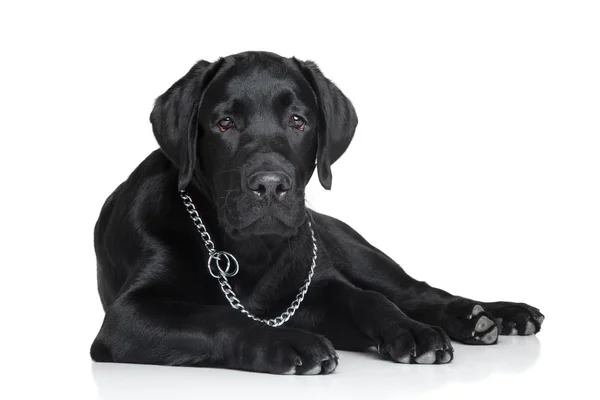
x=267 y=225
x=242 y=216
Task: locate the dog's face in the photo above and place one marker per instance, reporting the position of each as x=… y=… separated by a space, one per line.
x=259 y=145
x=249 y=129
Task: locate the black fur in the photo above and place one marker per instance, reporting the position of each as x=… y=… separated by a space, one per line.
x=163 y=307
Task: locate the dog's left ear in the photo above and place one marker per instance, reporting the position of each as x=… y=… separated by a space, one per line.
x=175 y=118
x=336 y=123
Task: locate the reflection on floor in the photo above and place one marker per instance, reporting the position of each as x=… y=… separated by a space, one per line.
x=358 y=375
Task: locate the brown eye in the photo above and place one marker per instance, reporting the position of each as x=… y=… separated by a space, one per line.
x=297 y=122
x=225 y=124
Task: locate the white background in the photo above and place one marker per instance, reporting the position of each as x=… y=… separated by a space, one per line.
x=475 y=166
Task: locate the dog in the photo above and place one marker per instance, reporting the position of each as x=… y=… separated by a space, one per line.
x=207 y=255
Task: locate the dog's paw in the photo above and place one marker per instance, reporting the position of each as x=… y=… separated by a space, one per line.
x=290 y=351
x=516 y=318
x=416 y=343
x=469 y=322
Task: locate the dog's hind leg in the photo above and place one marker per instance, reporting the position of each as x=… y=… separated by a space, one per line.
x=464 y=320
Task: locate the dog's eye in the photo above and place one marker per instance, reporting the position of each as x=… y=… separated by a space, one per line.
x=225 y=124
x=297 y=122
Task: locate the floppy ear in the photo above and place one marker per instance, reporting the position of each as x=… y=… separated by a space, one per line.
x=336 y=123
x=175 y=119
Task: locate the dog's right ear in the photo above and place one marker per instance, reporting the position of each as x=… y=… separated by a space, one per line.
x=175 y=118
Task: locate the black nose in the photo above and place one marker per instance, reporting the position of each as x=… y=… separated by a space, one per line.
x=270 y=183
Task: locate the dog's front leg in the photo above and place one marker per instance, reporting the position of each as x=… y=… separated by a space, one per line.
x=356 y=319
x=169 y=332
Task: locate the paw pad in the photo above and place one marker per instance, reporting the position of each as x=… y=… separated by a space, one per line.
x=529 y=328
x=483 y=324
x=484 y=330
x=477 y=310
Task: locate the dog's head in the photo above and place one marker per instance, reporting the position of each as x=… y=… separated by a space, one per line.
x=249 y=129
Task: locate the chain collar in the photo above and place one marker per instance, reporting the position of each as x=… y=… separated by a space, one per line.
x=223 y=265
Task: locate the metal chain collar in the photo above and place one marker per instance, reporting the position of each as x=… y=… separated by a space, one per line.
x=224 y=261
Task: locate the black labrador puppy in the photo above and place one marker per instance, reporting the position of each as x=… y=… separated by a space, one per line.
x=206 y=253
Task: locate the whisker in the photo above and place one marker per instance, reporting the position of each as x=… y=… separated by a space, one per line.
x=238 y=169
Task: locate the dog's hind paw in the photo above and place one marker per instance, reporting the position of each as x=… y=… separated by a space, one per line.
x=484 y=329
x=472 y=322
x=516 y=318
x=468 y=322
